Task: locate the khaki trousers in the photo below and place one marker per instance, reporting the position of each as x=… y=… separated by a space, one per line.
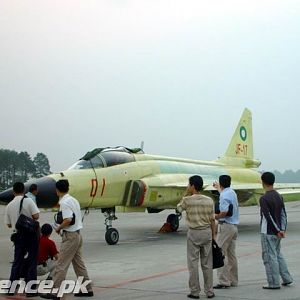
x=70 y=252
x=199 y=245
x=226 y=239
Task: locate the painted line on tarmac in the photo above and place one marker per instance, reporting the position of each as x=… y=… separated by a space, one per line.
x=141 y=279
x=158 y=275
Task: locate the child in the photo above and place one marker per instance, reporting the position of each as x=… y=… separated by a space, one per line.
x=48 y=253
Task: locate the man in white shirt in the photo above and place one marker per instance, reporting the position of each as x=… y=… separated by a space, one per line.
x=26 y=244
x=71 y=246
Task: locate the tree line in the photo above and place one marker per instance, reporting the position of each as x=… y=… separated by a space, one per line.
x=19 y=166
x=287 y=176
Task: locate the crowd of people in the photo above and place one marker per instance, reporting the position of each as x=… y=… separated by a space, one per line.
x=36 y=254
x=201 y=217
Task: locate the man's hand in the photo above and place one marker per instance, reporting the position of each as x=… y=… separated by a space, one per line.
x=281 y=234
x=66 y=222
x=216 y=185
x=187 y=192
x=221 y=215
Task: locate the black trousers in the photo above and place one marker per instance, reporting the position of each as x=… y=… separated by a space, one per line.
x=25 y=257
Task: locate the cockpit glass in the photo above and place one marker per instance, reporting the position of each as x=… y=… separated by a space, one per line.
x=95 y=162
x=113 y=158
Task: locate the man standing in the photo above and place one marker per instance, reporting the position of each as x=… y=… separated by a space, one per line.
x=273 y=227
x=71 y=246
x=26 y=244
x=33 y=191
x=227 y=232
x=201 y=229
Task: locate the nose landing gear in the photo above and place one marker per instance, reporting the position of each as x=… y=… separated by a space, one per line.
x=112 y=234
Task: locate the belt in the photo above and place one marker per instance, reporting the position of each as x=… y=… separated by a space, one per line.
x=78 y=231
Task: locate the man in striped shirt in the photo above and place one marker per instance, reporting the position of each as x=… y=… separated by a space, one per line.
x=200 y=220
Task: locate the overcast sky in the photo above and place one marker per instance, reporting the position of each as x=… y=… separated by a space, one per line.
x=76 y=75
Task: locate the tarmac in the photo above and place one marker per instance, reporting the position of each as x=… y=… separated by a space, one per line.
x=146 y=264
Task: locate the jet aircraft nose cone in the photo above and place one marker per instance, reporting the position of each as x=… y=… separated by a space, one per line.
x=6 y=196
x=46 y=197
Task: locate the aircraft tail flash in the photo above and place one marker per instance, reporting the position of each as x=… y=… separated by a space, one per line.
x=240 y=149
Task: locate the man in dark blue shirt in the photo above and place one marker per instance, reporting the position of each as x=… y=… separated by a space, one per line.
x=273 y=226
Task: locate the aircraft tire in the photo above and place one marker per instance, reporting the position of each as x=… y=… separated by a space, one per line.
x=174 y=221
x=112 y=236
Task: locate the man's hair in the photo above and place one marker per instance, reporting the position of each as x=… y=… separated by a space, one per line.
x=46 y=229
x=62 y=185
x=268 y=178
x=225 y=181
x=33 y=188
x=197 y=182
x=18 y=187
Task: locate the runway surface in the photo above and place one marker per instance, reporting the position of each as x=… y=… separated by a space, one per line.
x=146 y=264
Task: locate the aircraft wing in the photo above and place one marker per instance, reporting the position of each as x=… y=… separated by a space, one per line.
x=167 y=186
x=289 y=191
x=209 y=186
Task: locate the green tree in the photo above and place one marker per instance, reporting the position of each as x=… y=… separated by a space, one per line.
x=16 y=166
x=9 y=167
x=42 y=166
x=26 y=166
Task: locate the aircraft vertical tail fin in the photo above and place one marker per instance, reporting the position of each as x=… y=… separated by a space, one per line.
x=240 y=149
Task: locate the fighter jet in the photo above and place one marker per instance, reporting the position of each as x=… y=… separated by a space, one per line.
x=128 y=180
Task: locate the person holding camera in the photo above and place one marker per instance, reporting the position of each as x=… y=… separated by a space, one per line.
x=228 y=218
x=200 y=219
x=71 y=246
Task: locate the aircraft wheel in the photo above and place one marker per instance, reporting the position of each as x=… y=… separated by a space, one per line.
x=174 y=221
x=112 y=236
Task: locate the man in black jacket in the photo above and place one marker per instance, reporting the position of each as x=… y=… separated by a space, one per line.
x=273 y=226
x=26 y=243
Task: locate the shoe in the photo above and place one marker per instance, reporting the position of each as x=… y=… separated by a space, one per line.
x=221 y=286
x=81 y=294
x=9 y=294
x=193 y=296
x=210 y=295
x=287 y=283
x=266 y=287
x=49 y=296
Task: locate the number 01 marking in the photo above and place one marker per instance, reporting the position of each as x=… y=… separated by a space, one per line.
x=94 y=187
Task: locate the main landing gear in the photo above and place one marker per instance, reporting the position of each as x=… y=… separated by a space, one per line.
x=112 y=234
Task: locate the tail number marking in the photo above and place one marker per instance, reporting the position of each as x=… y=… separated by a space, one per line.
x=241 y=149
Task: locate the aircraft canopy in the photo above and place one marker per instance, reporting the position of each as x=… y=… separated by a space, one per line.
x=105 y=157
